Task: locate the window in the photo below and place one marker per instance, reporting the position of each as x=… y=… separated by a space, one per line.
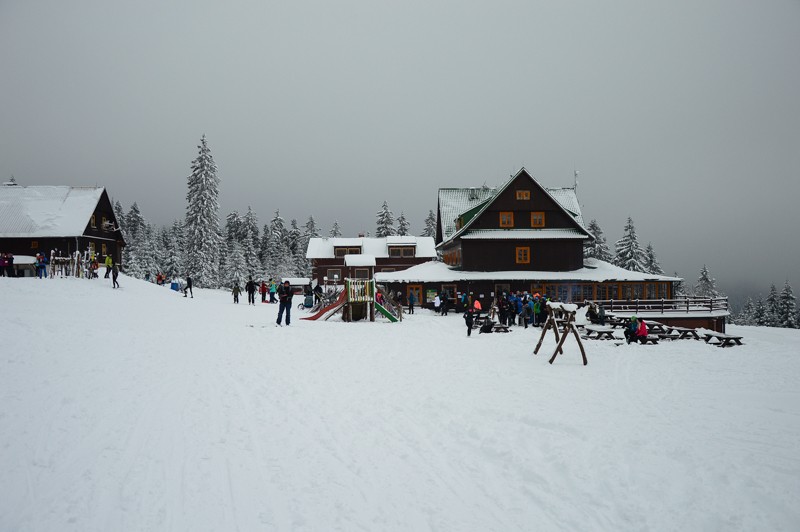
x=94 y=221
x=104 y=225
x=334 y=274
x=34 y=244
x=361 y=273
x=354 y=251
x=92 y=248
x=402 y=251
x=506 y=219
x=103 y=250
x=395 y=252
x=523 y=255
x=523 y=194
x=387 y=270
x=339 y=252
x=537 y=219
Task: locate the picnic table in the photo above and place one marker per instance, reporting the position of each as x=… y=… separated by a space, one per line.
x=656 y=327
x=683 y=332
x=723 y=340
x=499 y=327
x=599 y=332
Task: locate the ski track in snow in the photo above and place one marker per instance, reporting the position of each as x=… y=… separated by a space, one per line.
x=139 y=409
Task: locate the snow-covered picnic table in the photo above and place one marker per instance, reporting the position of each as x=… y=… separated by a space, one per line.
x=599 y=332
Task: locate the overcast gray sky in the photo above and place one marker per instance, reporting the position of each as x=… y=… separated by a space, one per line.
x=684 y=115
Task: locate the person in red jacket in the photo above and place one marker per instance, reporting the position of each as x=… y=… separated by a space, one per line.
x=263 y=291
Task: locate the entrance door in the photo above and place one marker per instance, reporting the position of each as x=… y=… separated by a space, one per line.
x=415 y=289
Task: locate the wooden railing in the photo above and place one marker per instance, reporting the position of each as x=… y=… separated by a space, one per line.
x=684 y=304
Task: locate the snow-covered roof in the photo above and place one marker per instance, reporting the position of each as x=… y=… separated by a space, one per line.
x=296 y=281
x=359 y=260
x=453 y=202
x=47 y=211
x=527 y=234
x=592 y=271
x=323 y=248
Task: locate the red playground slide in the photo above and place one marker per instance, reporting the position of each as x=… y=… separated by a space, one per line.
x=328 y=311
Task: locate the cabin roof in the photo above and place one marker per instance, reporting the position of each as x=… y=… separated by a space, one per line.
x=454 y=202
x=46 y=211
x=524 y=234
x=323 y=248
x=593 y=271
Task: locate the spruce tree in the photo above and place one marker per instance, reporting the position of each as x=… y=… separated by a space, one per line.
x=706 y=285
x=773 y=307
x=202 y=220
x=233 y=224
x=310 y=228
x=250 y=243
x=597 y=249
x=678 y=289
x=335 y=232
x=760 y=313
x=173 y=259
x=234 y=270
x=747 y=315
x=278 y=253
x=651 y=262
x=629 y=254
x=402 y=225
x=430 y=225
x=385 y=223
x=787 y=308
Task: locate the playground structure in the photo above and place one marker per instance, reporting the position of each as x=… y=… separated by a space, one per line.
x=567 y=311
x=357 y=301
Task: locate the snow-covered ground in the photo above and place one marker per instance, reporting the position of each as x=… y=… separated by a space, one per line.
x=139 y=409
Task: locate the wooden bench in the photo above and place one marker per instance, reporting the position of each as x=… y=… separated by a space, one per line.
x=599 y=332
x=723 y=340
x=683 y=332
x=651 y=338
x=500 y=328
x=656 y=327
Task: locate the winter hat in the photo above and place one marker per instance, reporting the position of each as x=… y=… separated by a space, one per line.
x=633 y=318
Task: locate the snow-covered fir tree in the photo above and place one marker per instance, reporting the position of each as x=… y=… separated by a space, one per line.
x=297 y=248
x=279 y=261
x=629 y=254
x=134 y=233
x=202 y=220
x=747 y=314
x=119 y=214
x=234 y=269
x=173 y=256
x=597 y=249
x=335 y=231
x=706 y=285
x=760 y=312
x=233 y=228
x=402 y=224
x=429 y=225
x=787 y=308
x=678 y=288
x=773 y=307
x=651 y=262
x=385 y=223
x=250 y=243
x=263 y=246
x=310 y=229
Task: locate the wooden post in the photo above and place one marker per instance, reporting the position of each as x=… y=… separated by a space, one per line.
x=549 y=324
x=570 y=326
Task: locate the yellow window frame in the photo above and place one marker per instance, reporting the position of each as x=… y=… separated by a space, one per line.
x=506 y=219
x=523 y=255
x=537 y=219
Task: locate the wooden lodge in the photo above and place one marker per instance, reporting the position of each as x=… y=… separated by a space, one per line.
x=524 y=237
x=41 y=219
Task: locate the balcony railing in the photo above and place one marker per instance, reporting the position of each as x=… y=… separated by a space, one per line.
x=686 y=305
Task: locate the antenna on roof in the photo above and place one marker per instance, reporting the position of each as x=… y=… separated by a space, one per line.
x=576 y=180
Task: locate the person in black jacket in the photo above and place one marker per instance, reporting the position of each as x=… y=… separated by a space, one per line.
x=469 y=318
x=250 y=287
x=188 y=287
x=285 y=298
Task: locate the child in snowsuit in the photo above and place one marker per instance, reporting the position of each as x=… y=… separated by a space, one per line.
x=236 y=291
x=469 y=318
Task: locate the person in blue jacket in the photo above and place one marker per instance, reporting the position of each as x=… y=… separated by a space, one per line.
x=411 y=300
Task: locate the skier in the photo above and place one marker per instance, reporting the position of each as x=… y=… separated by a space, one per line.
x=250 y=287
x=236 y=291
x=285 y=294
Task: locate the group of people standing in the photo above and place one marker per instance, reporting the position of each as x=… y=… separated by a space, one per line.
x=251 y=287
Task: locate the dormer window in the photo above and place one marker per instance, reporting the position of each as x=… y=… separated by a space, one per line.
x=402 y=251
x=506 y=219
x=523 y=194
x=94 y=222
x=340 y=252
x=537 y=219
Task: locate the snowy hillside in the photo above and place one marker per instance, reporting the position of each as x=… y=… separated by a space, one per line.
x=139 y=409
